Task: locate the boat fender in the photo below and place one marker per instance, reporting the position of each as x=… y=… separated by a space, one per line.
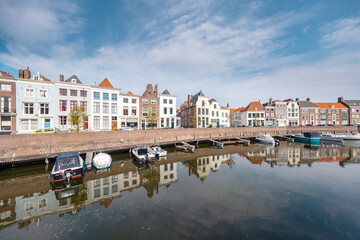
x=50 y=175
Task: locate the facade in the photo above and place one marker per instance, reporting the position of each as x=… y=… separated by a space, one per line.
x=7 y=104
x=167 y=110
x=129 y=110
x=68 y=94
x=187 y=114
x=236 y=116
x=168 y=173
x=333 y=113
x=292 y=110
x=105 y=106
x=34 y=104
x=309 y=113
x=149 y=108
x=224 y=117
x=253 y=115
x=353 y=110
x=275 y=113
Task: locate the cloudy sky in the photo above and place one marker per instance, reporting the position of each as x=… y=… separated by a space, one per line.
x=235 y=51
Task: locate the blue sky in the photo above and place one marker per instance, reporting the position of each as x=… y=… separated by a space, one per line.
x=235 y=51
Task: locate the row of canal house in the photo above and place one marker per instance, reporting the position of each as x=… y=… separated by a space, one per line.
x=30 y=102
x=201 y=112
x=296 y=112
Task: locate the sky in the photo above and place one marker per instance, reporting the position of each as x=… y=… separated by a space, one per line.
x=235 y=51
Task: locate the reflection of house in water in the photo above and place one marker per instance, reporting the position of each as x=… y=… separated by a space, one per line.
x=256 y=157
x=213 y=163
x=7 y=211
x=293 y=154
x=277 y=155
x=168 y=173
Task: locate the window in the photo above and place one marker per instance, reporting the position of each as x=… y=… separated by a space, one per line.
x=126 y=111
x=73 y=105
x=165 y=101
x=153 y=101
x=28 y=124
x=28 y=108
x=106 y=122
x=42 y=93
x=126 y=100
x=114 y=97
x=62 y=105
x=5 y=104
x=170 y=101
x=97 y=95
x=44 y=108
x=214 y=106
x=114 y=108
x=133 y=111
x=153 y=111
x=83 y=93
x=5 y=122
x=96 y=107
x=5 y=87
x=83 y=104
x=165 y=110
x=96 y=122
x=29 y=92
x=207 y=112
x=105 y=108
x=199 y=111
x=73 y=93
x=133 y=100
x=105 y=96
x=145 y=111
x=63 y=120
x=145 y=100
x=203 y=103
x=63 y=92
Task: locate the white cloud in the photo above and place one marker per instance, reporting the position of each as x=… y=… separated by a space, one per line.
x=343 y=32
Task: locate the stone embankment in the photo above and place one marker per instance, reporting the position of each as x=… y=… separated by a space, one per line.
x=15 y=148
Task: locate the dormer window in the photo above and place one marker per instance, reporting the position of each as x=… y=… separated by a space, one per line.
x=255 y=109
x=73 y=80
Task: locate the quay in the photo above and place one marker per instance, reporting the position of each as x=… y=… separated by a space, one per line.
x=27 y=148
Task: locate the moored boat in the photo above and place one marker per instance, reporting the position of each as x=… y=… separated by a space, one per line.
x=67 y=166
x=159 y=152
x=352 y=137
x=143 y=154
x=102 y=161
x=326 y=136
x=267 y=139
x=308 y=137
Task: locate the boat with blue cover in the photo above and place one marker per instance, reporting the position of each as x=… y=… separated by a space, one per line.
x=308 y=137
x=67 y=166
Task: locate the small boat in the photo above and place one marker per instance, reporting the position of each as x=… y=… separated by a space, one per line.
x=308 y=137
x=143 y=154
x=326 y=136
x=67 y=167
x=159 y=152
x=352 y=137
x=102 y=161
x=267 y=139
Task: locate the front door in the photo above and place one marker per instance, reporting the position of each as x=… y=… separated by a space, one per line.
x=113 y=125
x=47 y=123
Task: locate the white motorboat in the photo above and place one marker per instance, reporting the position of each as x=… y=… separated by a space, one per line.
x=352 y=137
x=67 y=166
x=267 y=139
x=102 y=161
x=326 y=136
x=143 y=154
x=159 y=152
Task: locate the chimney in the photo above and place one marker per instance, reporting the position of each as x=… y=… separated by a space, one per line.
x=270 y=101
x=61 y=78
x=340 y=99
x=308 y=99
x=27 y=73
x=21 y=73
x=189 y=97
x=297 y=99
x=228 y=105
x=156 y=90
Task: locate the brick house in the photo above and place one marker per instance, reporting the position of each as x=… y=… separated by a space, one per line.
x=7 y=103
x=353 y=110
x=149 y=108
x=333 y=113
x=275 y=113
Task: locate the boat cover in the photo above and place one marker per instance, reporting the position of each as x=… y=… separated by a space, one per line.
x=67 y=160
x=311 y=134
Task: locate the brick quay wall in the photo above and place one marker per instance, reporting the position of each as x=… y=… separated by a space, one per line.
x=29 y=146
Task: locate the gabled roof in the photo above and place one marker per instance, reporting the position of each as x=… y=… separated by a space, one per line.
x=289 y=100
x=329 y=105
x=253 y=105
x=105 y=83
x=77 y=80
x=45 y=79
x=166 y=92
x=351 y=103
x=303 y=104
x=194 y=98
x=212 y=100
x=4 y=74
x=129 y=93
x=238 y=110
x=225 y=108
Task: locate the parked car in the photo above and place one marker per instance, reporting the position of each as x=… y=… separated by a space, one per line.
x=46 y=130
x=125 y=129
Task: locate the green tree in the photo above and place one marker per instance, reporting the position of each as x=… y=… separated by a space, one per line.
x=77 y=116
x=194 y=120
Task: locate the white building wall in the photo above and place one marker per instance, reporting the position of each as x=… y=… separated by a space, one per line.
x=131 y=102
x=167 y=111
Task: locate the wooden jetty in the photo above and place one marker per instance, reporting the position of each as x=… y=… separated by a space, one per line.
x=217 y=143
x=184 y=146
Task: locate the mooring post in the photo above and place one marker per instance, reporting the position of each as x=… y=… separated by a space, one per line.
x=46 y=161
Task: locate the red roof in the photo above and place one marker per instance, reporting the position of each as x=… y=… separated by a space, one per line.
x=129 y=93
x=239 y=110
x=253 y=105
x=106 y=83
x=4 y=74
x=224 y=108
x=329 y=105
x=186 y=103
x=45 y=79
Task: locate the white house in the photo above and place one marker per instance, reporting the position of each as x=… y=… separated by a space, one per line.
x=253 y=115
x=167 y=110
x=129 y=110
x=224 y=117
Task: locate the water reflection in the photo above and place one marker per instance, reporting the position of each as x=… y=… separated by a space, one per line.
x=23 y=204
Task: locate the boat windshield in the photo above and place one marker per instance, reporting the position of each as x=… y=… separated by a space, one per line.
x=142 y=151
x=68 y=162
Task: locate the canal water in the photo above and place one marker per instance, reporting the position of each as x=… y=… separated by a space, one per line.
x=291 y=191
